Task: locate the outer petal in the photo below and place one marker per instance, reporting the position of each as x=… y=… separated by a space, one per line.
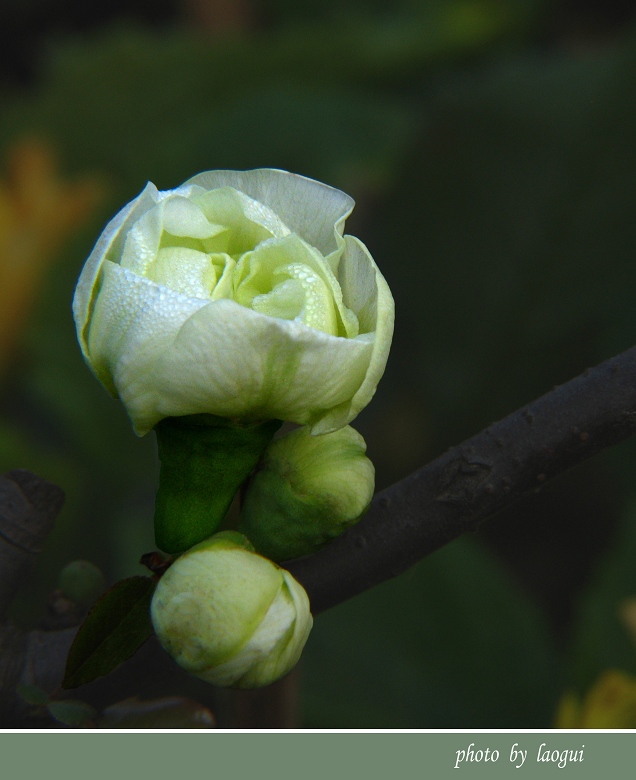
x=257 y=661
x=287 y=651
x=367 y=294
x=110 y=244
x=315 y=211
x=234 y=362
x=134 y=319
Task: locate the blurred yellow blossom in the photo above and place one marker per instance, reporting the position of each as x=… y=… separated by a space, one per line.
x=609 y=704
x=38 y=210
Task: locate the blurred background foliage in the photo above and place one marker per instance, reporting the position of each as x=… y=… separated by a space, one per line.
x=491 y=149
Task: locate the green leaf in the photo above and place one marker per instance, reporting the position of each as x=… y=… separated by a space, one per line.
x=204 y=461
x=115 y=629
x=169 y=712
x=72 y=712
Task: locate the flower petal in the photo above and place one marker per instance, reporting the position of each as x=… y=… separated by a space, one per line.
x=233 y=362
x=290 y=635
x=110 y=243
x=232 y=207
x=367 y=294
x=186 y=271
x=314 y=210
x=259 y=275
x=181 y=217
x=133 y=320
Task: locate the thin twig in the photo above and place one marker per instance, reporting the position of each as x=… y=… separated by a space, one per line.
x=456 y=492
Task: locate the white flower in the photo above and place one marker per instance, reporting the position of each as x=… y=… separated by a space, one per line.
x=230 y=616
x=236 y=295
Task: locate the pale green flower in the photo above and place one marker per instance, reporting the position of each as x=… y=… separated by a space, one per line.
x=236 y=295
x=307 y=491
x=230 y=616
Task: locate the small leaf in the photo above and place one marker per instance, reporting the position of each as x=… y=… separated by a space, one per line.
x=72 y=712
x=174 y=712
x=33 y=694
x=114 y=629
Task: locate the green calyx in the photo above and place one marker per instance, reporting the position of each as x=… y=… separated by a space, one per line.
x=204 y=460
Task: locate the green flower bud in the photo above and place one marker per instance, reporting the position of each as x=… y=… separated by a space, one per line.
x=230 y=616
x=81 y=582
x=308 y=491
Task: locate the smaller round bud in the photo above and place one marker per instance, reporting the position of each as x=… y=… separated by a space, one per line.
x=81 y=582
x=307 y=491
x=230 y=616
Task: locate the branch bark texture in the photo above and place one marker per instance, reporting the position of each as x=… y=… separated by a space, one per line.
x=456 y=492
x=28 y=508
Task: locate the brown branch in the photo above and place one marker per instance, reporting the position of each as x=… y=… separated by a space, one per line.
x=28 y=508
x=456 y=492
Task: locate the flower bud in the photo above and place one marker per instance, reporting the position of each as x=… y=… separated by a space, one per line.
x=230 y=616
x=308 y=490
x=237 y=295
x=81 y=582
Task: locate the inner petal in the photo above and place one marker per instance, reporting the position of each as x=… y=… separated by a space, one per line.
x=304 y=296
x=285 y=301
x=181 y=217
x=224 y=266
x=226 y=206
x=184 y=270
x=318 y=311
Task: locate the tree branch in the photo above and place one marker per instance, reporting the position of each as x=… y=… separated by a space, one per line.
x=450 y=496
x=28 y=508
x=456 y=492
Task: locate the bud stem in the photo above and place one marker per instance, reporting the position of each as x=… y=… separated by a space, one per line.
x=204 y=461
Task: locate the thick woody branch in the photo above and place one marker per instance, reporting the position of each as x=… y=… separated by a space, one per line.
x=456 y=492
x=28 y=508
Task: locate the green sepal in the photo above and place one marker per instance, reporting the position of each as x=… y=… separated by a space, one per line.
x=204 y=461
